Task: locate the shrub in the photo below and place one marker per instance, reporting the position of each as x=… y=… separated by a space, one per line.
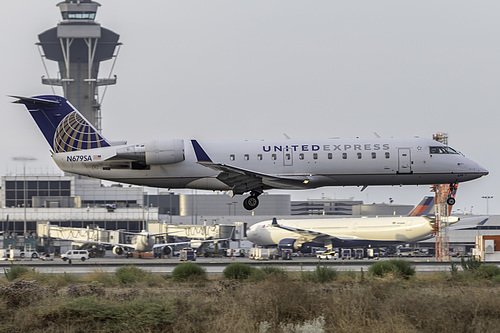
x=15 y=272
x=381 y=268
x=237 y=271
x=487 y=271
x=470 y=264
x=22 y=293
x=496 y=279
x=398 y=267
x=130 y=274
x=403 y=268
x=86 y=290
x=188 y=271
x=321 y=274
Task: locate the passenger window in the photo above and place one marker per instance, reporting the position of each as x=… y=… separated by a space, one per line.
x=344 y=156
x=247 y=157
x=359 y=156
x=315 y=156
x=374 y=155
x=273 y=157
x=231 y=157
x=330 y=156
x=387 y=155
x=259 y=157
x=288 y=157
x=301 y=156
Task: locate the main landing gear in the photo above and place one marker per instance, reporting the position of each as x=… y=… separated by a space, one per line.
x=252 y=201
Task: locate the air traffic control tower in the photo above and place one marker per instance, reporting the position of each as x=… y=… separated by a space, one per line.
x=79 y=45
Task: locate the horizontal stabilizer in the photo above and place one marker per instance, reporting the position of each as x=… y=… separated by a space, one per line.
x=24 y=100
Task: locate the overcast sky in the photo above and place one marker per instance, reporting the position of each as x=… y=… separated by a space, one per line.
x=258 y=69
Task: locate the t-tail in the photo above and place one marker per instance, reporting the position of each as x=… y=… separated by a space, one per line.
x=64 y=128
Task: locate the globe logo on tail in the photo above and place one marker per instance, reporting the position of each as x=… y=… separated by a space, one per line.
x=74 y=133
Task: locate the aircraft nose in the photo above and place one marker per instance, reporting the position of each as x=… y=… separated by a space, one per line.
x=251 y=233
x=482 y=171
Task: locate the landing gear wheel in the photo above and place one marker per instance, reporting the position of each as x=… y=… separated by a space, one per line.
x=450 y=201
x=251 y=202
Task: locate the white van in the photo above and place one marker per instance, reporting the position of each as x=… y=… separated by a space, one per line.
x=75 y=255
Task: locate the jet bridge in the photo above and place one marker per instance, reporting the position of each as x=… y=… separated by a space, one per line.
x=79 y=234
x=48 y=233
x=236 y=231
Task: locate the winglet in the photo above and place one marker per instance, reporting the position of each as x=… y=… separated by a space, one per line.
x=483 y=221
x=275 y=222
x=201 y=155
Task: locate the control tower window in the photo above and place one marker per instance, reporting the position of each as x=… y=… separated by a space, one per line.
x=442 y=150
x=78 y=15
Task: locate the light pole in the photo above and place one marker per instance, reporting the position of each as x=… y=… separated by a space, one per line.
x=234 y=207
x=24 y=159
x=487 y=197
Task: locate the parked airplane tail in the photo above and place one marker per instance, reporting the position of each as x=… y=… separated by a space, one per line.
x=424 y=207
x=64 y=128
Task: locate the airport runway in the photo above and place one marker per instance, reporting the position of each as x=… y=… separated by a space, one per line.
x=214 y=266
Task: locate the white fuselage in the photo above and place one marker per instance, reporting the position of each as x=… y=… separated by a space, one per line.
x=376 y=230
x=315 y=163
x=144 y=242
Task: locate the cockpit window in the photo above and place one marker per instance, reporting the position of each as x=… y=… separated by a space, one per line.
x=442 y=150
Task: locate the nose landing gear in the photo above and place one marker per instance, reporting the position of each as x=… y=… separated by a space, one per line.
x=451 y=200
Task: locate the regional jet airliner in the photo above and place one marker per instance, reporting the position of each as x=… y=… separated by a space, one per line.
x=245 y=166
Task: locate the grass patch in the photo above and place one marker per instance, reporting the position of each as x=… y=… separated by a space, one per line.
x=268 y=272
x=132 y=275
x=321 y=274
x=273 y=304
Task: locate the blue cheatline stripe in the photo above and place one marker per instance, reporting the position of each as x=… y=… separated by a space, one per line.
x=201 y=155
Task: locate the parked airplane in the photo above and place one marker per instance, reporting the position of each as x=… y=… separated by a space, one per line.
x=245 y=166
x=145 y=242
x=350 y=232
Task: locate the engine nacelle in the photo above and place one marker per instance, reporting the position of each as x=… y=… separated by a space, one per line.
x=118 y=250
x=154 y=152
x=165 y=152
x=289 y=243
x=166 y=250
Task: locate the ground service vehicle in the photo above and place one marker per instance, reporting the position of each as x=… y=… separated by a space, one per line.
x=328 y=255
x=187 y=254
x=75 y=255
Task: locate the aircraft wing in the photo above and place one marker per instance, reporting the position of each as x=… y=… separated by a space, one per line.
x=311 y=235
x=465 y=223
x=128 y=246
x=244 y=180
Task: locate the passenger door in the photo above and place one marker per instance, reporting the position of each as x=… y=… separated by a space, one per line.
x=404 y=160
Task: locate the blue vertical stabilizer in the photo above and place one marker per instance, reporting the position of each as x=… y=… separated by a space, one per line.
x=64 y=128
